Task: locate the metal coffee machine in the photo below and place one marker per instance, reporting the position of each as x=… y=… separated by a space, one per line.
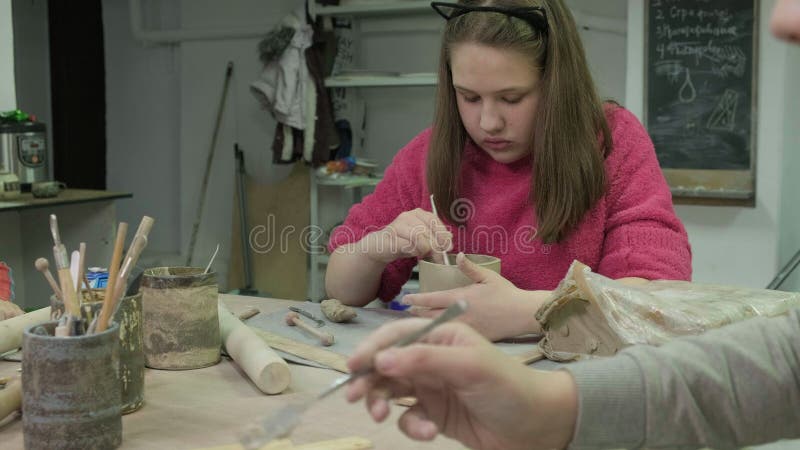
x=23 y=151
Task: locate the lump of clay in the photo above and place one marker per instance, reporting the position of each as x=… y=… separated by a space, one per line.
x=335 y=311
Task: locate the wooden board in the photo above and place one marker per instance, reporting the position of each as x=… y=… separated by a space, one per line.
x=327 y=358
x=277 y=217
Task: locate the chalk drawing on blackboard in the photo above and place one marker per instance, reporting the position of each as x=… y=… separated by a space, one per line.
x=723 y=117
x=687 y=93
x=672 y=69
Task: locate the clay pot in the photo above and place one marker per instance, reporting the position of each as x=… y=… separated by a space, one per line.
x=440 y=277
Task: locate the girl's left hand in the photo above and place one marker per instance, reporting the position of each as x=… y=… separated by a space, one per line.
x=496 y=308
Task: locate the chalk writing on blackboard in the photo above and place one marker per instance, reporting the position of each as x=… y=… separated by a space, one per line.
x=700 y=82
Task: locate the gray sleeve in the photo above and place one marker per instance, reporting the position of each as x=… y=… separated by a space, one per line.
x=735 y=386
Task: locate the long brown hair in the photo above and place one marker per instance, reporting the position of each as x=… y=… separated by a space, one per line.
x=571 y=135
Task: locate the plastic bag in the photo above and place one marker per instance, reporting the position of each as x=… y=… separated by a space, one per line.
x=591 y=315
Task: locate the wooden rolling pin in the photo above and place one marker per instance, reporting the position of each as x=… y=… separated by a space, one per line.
x=11 y=329
x=267 y=370
x=293 y=319
x=10 y=398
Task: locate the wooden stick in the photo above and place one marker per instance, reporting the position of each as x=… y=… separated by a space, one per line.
x=113 y=270
x=134 y=251
x=81 y=271
x=263 y=366
x=293 y=319
x=42 y=265
x=433 y=209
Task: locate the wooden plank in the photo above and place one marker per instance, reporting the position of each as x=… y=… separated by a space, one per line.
x=318 y=355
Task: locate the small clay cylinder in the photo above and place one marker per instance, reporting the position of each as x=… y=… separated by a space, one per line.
x=70 y=390
x=131 y=351
x=440 y=277
x=181 y=320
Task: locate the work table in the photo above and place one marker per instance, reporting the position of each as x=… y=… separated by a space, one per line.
x=203 y=408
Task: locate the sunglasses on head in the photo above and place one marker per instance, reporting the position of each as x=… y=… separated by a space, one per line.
x=534 y=15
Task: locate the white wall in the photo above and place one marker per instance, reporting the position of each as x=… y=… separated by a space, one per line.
x=32 y=69
x=142 y=124
x=8 y=98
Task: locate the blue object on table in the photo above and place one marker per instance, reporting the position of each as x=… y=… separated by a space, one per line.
x=396 y=303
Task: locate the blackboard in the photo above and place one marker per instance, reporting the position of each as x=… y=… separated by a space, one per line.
x=700 y=83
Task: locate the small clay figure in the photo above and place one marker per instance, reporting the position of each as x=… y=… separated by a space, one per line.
x=335 y=311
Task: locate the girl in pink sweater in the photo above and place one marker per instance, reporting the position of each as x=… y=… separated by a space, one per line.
x=526 y=164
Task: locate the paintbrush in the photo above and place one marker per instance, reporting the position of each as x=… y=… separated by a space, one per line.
x=71 y=303
x=282 y=423
x=134 y=251
x=113 y=270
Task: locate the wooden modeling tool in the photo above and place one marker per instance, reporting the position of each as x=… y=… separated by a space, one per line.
x=113 y=270
x=280 y=424
x=263 y=366
x=293 y=319
x=444 y=253
x=71 y=304
x=42 y=265
x=327 y=358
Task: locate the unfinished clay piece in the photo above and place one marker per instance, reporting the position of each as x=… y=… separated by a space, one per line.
x=335 y=311
x=441 y=277
x=591 y=315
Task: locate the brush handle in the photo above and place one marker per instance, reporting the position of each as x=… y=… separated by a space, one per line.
x=71 y=303
x=135 y=250
x=113 y=270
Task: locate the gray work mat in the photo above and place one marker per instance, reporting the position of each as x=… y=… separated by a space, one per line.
x=349 y=334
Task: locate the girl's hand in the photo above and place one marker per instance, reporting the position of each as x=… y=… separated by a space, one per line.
x=497 y=308
x=417 y=233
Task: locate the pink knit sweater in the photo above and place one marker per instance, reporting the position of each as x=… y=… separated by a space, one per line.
x=631 y=232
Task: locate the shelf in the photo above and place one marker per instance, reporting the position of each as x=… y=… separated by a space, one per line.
x=367 y=8
x=348 y=181
x=425 y=79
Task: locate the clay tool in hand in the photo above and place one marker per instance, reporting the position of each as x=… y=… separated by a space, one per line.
x=293 y=319
x=71 y=304
x=444 y=253
x=280 y=424
x=303 y=312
